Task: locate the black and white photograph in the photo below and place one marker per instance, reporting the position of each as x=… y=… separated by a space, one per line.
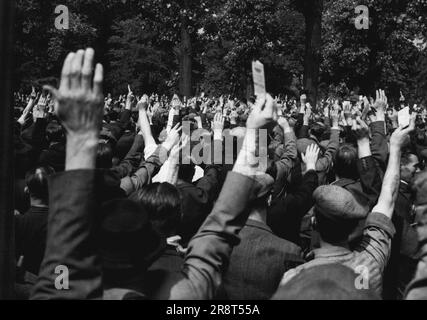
x=231 y=151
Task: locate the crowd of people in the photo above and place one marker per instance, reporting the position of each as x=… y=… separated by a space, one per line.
x=156 y=197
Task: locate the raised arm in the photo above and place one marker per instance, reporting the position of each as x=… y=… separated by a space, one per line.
x=370 y=177
x=210 y=249
x=325 y=162
x=374 y=249
x=70 y=247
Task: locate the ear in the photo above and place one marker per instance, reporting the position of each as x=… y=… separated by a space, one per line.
x=313 y=222
x=26 y=190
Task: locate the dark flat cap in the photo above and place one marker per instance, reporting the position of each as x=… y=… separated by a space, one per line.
x=336 y=203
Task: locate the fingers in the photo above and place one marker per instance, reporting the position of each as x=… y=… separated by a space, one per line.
x=66 y=72
x=76 y=69
x=411 y=126
x=51 y=90
x=177 y=128
x=361 y=123
x=270 y=109
x=87 y=69
x=98 y=79
x=259 y=104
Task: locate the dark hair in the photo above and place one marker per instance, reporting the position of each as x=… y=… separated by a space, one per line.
x=54 y=132
x=113 y=115
x=163 y=204
x=317 y=130
x=104 y=156
x=334 y=231
x=36 y=182
x=406 y=158
x=346 y=162
x=186 y=172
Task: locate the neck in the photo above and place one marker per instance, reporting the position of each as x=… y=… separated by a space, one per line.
x=325 y=244
x=259 y=215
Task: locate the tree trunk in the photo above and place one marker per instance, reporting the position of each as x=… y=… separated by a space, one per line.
x=313 y=44
x=7 y=257
x=185 y=61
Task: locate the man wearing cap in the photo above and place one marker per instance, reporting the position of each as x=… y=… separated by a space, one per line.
x=336 y=215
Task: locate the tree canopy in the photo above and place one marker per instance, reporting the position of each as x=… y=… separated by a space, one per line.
x=192 y=46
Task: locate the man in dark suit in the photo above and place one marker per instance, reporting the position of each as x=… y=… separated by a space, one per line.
x=256 y=263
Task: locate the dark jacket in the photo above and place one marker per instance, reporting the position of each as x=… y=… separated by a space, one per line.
x=402 y=264
x=197 y=201
x=286 y=212
x=258 y=263
x=30 y=237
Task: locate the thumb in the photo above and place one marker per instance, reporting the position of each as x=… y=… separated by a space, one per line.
x=51 y=90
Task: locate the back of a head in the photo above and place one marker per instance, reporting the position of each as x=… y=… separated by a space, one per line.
x=186 y=172
x=127 y=243
x=36 y=182
x=337 y=213
x=346 y=162
x=104 y=157
x=318 y=130
x=324 y=282
x=163 y=204
x=55 y=132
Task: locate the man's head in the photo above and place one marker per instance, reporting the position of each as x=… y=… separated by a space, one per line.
x=337 y=213
x=127 y=242
x=36 y=184
x=54 y=132
x=104 y=157
x=409 y=165
x=346 y=162
x=259 y=206
x=163 y=204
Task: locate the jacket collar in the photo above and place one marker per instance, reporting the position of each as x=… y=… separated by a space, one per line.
x=258 y=225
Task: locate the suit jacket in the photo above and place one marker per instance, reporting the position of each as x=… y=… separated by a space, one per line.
x=286 y=212
x=258 y=263
x=196 y=202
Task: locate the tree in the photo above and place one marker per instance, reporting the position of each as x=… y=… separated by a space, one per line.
x=312 y=11
x=384 y=56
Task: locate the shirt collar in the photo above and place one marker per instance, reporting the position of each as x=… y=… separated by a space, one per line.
x=331 y=251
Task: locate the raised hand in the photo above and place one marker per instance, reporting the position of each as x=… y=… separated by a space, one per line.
x=33 y=93
x=380 y=101
x=130 y=98
x=303 y=99
x=173 y=137
x=143 y=103
x=263 y=112
x=310 y=157
x=79 y=99
x=217 y=124
x=176 y=149
x=307 y=114
x=400 y=135
x=335 y=117
x=366 y=108
x=360 y=129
